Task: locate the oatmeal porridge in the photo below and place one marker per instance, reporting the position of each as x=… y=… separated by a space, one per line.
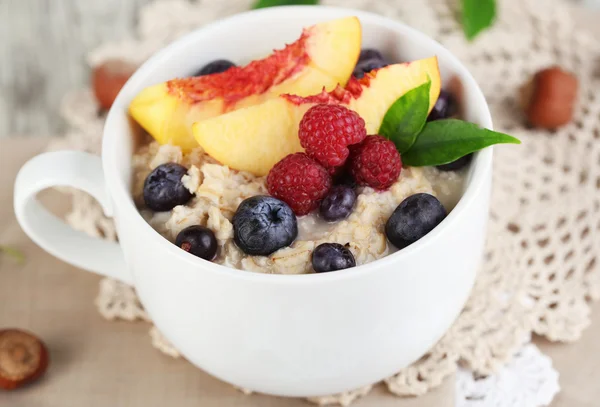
x=219 y=191
x=320 y=157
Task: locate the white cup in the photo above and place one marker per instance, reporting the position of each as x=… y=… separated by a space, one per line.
x=289 y=335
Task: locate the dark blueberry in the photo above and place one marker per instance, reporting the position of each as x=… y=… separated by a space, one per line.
x=199 y=241
x=345 y=178
x=331 y=257
x=416 y=216
x=163 y=189
x=458 y=164
x=218 y=66
x=263 y=224
x=370 y=53
x=338 y=203
x=445 y=107
x=363 y=67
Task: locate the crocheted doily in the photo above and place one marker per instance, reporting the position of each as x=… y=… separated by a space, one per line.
x=527 y=380
x=541 y=267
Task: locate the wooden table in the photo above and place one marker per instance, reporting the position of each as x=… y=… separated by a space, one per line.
x=43 y=44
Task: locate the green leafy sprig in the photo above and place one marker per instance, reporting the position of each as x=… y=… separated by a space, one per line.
x=404 y=119
x=477 y=15
x=274 y=3
x=438 y=142
x=16 y=254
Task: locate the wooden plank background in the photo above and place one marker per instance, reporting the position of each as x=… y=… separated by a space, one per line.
x=42 y=54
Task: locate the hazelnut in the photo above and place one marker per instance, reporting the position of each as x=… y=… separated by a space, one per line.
x=108 y=78
x=549 y=98
x=23 y=358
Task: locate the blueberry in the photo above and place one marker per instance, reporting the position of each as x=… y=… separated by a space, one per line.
x=345 y=178
x=416 y=216
x=458 y=164
x=370 y=53
x=218 y=66
x=263 y=225
x=368 y=60
x=338 y=203
x=445 y=107
x=363 y=67
x=163 y=189
x=199 y=241
x=331 y=257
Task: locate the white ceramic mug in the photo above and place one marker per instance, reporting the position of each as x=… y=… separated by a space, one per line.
x=290 y=335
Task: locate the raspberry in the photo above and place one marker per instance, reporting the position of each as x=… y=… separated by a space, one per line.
x=299 y=181
x=375 y=162
x=327 y=130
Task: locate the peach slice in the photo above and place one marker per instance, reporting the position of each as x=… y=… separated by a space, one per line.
x=324 y=56
x=255 y=138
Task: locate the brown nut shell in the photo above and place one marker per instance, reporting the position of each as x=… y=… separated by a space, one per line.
x=108 y=79
x=23 y=358
x=549 y=98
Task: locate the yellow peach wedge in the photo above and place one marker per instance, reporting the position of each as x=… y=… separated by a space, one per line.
x=323 y=56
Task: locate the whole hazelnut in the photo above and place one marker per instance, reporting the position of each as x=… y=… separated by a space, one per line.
x=23 y=358
x=108 y=78
x=549 y=98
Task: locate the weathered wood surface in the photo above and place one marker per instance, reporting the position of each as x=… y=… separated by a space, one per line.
x=42 y=54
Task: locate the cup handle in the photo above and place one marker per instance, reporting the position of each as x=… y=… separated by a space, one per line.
x=73 y=169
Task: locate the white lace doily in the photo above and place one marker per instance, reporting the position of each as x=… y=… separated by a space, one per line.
x=541 y=267
x=527 y=380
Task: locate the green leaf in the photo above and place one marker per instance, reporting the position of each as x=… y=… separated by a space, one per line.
x=444 y=141
x=405 y=119
x=274 y=3
x=14 y=253
x=477 y=15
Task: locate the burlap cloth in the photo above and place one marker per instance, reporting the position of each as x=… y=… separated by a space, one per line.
x=541 y=270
